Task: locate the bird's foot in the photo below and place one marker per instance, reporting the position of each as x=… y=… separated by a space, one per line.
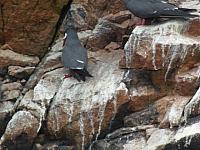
x=67 y=76
x=141 y=22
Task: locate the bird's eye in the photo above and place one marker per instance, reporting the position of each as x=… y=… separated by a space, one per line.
x=81 y=12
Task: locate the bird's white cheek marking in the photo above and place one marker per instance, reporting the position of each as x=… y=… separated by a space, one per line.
x=163 y=2
x=65 y=36
x=80 y=61
x=78 y=68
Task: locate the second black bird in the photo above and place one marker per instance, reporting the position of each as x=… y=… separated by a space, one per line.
x=153 y=9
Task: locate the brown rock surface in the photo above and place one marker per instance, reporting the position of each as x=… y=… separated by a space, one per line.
x=27 y=26
x=10 y=95
x=11 y=86
x=8 y=57
x=193 y=29
x=160 y=47
x=20 y=72
x=174 y=113
x=188 y=78
x=87 y=108
x=104 y=33
x=160 y=75
x=142 y=97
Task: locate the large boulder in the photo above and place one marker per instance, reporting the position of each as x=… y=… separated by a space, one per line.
x=27 y=26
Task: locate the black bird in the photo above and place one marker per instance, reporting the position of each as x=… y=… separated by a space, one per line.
x=74 y=55
x=154 y=9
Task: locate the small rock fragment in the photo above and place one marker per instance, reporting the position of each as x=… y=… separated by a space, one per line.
x=8 y=58
x=20 y=72
x=10 y=95
x=11 y=86
x=112 y=46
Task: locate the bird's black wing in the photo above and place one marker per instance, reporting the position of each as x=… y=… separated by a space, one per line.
x=156 y=9
x=164 y=9
x=74 y=57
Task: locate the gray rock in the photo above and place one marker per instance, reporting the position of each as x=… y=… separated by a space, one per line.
x=52 y=62
x=10 y=95
x=135 y=144
x=145 y=117
x=25 y=124
x=88 y=101
x=174 y=114
x=129 y=139
x=22 y=128
x=53 y=145
x=8 y=57
x=6 y=109
x=20 y=72
x=104 y=33
x=192 y=108
x=11 y=86
x=186 y=138
x=84 y=36
x=159 y=139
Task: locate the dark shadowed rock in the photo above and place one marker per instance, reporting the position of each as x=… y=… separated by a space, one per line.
x=145 y=117
x=6 y=109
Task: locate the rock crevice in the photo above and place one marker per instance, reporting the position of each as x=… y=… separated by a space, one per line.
x=142 y=98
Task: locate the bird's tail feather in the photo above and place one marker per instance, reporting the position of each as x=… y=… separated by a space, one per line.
x=188 y=10
x=180 y=16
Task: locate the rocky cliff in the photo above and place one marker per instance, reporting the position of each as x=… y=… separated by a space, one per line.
x=144 y=94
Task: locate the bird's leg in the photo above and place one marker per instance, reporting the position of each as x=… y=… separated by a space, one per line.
x=67 y=76
x=143 y=22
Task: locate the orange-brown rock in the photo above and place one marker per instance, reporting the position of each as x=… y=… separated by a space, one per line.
x=27 y=26
x=163 y=104
x=193 y=28
x=143 y=96
x=188 y=78
x=160 y=47
x=174 y=112
x=104 y=33
x=99 y=8
x=8 y=57
x=71 y=114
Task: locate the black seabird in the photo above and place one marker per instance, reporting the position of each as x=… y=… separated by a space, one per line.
x=74 y=55
x=154 y=9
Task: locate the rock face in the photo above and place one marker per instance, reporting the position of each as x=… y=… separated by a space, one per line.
x=27 y=26
x=142 y=96
x=87 y=107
